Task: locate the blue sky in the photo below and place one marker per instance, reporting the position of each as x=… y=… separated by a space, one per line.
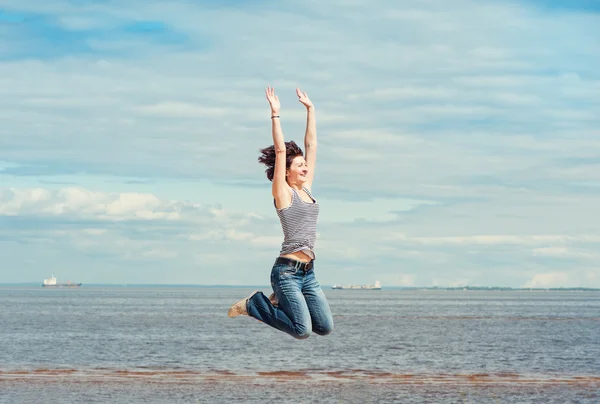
x=459 y=141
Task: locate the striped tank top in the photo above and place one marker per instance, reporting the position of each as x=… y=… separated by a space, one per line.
x=299 y=224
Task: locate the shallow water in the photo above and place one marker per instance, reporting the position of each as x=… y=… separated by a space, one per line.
x=169 y=344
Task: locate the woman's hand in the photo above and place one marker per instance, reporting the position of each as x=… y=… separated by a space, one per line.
x=273 y=100
x=303 y=98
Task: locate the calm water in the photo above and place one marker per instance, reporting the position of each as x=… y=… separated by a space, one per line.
x=164 y=345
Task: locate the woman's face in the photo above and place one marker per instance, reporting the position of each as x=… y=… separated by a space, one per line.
x=297 y=171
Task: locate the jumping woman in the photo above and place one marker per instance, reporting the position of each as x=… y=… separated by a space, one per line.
x=298 y=305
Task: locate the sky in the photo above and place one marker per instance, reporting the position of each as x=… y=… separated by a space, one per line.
x=459 y=141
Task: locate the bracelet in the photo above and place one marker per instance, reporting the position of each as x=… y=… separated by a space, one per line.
x=275 y=116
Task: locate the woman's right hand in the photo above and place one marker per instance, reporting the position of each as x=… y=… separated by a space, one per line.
x=273 y=100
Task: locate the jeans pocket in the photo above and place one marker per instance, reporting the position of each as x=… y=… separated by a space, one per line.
x=287 y=271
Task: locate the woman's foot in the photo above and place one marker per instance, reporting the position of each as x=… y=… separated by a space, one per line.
x=239 y=309
x=273 y=299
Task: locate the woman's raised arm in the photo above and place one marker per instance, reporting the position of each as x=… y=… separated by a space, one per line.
x=310 y=137
x=280 y=189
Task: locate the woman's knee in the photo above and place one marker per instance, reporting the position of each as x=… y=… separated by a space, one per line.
x=324 y=330
x=324 y=325
x=303 y=335
x=302 y=331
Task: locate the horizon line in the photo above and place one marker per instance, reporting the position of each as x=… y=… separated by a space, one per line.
x=465 y=287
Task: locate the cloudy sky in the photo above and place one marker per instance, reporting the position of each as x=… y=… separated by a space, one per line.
x=459 y=141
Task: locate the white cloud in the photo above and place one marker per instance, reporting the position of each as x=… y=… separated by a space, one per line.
x=504 y=239
x=562 y=252
x=406 y=93
x=450 y=282
x=398 y=280
x=548 y=280
x=592 y=277
x=160 y=254
x=108 y=225
x=231 y=234
x=458 y=283
x=94 y=232
x=80 y=202
x=181 y=109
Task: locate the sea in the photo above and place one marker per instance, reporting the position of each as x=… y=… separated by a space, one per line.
x=175 y=344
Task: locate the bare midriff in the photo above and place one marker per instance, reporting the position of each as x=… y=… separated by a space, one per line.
x=298 y=256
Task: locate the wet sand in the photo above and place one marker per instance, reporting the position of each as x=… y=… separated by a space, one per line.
x=302 y=386
x=312 y=376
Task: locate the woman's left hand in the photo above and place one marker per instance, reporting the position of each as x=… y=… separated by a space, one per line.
x=303 y=98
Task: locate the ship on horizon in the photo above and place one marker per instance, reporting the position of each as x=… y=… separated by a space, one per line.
x=376 y=286
x=51 y=282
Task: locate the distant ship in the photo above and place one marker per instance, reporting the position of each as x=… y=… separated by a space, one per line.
x=51 y=283
x=376 y=286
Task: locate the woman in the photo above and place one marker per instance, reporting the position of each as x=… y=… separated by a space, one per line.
x=298 y=305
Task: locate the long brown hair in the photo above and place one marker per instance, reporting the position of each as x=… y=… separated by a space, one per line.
x=267 y=157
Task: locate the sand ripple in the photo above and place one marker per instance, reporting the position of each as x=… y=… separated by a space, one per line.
x=104 y=375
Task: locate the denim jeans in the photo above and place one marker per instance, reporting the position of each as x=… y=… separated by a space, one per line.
x=302 y=307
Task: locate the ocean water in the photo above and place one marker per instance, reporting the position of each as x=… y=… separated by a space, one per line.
x=177 y=345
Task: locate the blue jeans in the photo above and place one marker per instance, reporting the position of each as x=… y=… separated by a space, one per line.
x=302 y=306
